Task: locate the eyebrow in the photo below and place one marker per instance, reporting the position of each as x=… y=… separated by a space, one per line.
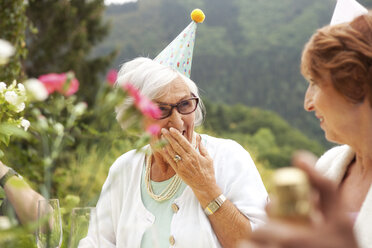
x=182 y=99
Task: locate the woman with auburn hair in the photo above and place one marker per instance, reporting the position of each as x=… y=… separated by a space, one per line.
x=337 y=62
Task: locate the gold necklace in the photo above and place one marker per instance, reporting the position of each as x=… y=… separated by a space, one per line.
x=171 y=188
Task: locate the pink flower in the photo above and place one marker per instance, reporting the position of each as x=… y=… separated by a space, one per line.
x=62 y=83
x=111 y=77
x=133 y=92
x=142 y=103
x=153 y=130
x=148 y=108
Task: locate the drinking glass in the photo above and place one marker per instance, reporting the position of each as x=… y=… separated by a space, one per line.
x=81 y=218
x=49 y=231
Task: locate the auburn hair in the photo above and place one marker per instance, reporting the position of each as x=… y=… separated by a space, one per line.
x=344 y=53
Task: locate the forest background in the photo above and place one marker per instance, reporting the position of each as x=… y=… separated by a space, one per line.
x=246 y=64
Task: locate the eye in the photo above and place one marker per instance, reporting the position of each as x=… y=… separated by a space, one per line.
x=164 y=109
x=184 y=104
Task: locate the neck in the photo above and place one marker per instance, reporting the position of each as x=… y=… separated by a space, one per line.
x=160 y=170
x=361 y=140
x=363 y=156
x=364 y=163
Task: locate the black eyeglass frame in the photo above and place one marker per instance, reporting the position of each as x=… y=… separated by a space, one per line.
x=177 y=105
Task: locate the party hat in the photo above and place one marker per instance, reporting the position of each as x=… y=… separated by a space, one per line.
x=178 y=54
x=346 y=11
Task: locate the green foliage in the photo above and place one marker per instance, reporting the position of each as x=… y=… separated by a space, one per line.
x=62 y=41
x=253 y=60
x=270 y=138
x=64 y=158
x=12 y=28
x=246 y=51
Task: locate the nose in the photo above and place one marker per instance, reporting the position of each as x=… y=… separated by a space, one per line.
x=175 y=119
x=308 y=101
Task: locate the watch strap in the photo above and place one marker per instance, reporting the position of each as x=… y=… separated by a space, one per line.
x=10 y=173
x=214 y=205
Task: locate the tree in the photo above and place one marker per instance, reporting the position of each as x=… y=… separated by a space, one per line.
x=12 y=28
x=66 y=32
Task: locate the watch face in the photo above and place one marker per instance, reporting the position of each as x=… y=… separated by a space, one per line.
x=214 y=205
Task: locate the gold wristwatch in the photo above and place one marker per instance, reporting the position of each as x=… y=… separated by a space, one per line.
x=214 y=205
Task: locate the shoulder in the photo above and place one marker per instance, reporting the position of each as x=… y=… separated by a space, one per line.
x=213 y=143
x=227 y=153
x=127 y=161
x=338 y=153
x=335 y=155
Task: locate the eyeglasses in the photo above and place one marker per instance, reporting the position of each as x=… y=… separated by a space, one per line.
x=184 y=107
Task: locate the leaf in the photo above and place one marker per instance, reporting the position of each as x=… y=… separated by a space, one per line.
x=10 y=130
x=4 y=138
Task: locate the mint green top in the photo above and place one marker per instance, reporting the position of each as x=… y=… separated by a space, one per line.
x=157 y=236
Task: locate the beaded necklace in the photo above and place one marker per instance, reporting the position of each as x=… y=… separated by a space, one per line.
x=171 y=188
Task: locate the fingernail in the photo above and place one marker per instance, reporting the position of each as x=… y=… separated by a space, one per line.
x=163 y=131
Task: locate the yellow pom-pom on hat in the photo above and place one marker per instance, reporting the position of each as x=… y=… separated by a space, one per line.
x=178 y=54
x=197 y=16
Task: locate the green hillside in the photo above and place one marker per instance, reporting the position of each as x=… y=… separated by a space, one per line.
x=247 y=51
x=265 y=134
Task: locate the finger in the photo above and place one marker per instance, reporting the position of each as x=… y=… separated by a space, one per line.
x=173 y=142
x=203 y=151
x=306 y=158
x=280 y=234
x=329 y=199
x=169 y=158
x=181 y=139
x=247 y=244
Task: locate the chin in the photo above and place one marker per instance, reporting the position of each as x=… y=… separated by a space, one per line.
x=333 y=138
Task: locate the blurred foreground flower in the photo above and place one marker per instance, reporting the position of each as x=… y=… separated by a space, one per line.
x=36 y=90
x=64 y=83
x=80 y=108
x=132 y=112
x=6 y=51
x=147 y=107
x=153 y=130
x=12 y=102
x=25 y=124
x=111 y=77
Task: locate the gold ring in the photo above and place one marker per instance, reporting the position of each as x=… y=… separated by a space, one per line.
x=177 y=158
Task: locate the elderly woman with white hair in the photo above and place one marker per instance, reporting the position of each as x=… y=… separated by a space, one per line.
x=197 y=191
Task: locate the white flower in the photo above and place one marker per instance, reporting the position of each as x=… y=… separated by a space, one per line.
x=22 y=89
x=6 y=51
x=25 y=124
x=59 y=128
x=2 y=87
x=36 y=89
x=79 y=108
x=43 y=122
x=20 y=107
x=11 y=97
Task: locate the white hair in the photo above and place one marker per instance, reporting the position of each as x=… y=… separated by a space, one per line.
x=150 y=78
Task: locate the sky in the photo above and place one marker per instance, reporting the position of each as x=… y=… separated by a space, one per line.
x=107 y=2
